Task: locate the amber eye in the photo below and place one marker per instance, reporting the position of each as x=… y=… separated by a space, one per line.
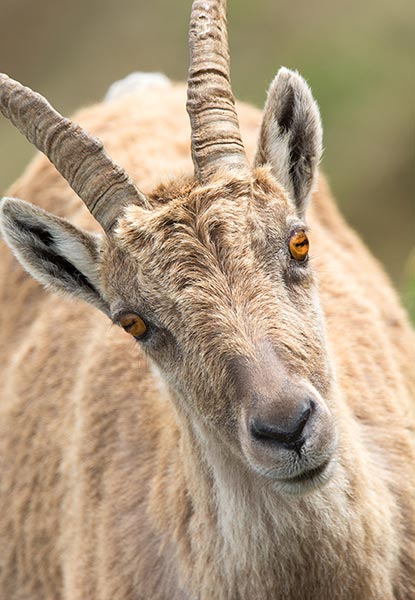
x=134 y=325
x=299 y=245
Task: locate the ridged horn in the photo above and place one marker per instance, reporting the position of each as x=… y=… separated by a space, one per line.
x=216 y=139
x=79 y=157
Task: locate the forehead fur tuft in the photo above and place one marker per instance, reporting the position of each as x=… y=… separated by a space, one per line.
x=185 y=204
x=224 y=185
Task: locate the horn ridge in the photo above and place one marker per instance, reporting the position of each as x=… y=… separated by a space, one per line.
x=216 y=139
x=104 y=186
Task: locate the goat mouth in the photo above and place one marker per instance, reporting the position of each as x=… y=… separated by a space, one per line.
x=309 y=475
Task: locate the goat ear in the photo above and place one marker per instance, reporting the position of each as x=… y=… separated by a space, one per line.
x=57 y=254
x=291 y=136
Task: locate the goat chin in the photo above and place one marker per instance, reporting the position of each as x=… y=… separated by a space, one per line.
x=307 y=481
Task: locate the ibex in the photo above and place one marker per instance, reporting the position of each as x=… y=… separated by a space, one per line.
x=257 y=442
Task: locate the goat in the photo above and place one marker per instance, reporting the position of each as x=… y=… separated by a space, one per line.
x=257 y=441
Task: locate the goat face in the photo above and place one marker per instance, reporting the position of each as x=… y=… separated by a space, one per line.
x=232 y=319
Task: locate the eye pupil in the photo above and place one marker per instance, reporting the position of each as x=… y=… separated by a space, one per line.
x=134 y=325
x=299 y=245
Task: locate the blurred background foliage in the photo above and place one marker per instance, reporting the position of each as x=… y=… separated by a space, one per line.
x=357 y=56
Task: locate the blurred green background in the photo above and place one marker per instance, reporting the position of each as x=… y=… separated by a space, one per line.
x=357 y=56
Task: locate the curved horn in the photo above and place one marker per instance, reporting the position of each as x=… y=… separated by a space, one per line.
x=103 y=186
x=216 y=139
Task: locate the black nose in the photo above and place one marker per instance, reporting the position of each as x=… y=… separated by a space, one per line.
x=288 y=434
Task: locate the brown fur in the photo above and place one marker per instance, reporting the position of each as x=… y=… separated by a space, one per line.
x=111 y=485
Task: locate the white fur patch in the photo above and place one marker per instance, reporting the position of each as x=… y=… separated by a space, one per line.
x=136 y=81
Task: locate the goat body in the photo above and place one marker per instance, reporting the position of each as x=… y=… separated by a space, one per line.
x=257 y=440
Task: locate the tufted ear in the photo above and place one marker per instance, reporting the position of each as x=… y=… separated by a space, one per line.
x=291 y=136
x=57 y=254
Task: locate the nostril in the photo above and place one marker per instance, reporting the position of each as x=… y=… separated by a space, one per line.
x=289 y=436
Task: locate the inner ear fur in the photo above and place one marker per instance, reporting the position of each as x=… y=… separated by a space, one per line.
x=57 y=254
x=290 y=138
